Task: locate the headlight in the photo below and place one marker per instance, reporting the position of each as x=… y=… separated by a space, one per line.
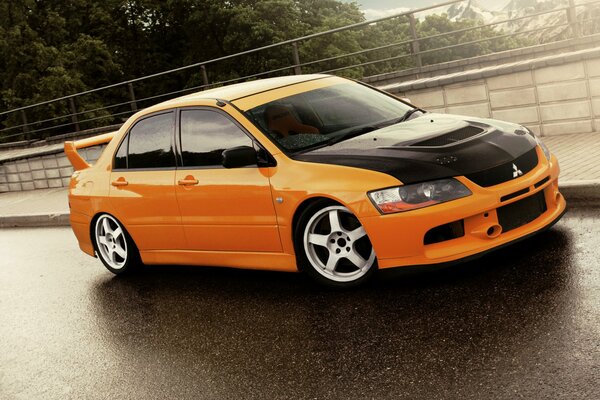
x=544 y=148
x=539 y=141
x=419 y=195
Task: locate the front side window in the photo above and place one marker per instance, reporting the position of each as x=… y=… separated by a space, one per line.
x=205 y=135
x=320 y=116
x=150 y=143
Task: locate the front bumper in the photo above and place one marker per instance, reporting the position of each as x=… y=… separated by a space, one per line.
x=399 y=239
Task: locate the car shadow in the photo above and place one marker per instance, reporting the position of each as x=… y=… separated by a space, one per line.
x=237 y=323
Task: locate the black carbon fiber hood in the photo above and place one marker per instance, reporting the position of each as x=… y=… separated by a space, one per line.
x=462 y=146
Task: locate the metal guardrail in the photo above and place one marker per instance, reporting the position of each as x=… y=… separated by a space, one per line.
x=73 y=120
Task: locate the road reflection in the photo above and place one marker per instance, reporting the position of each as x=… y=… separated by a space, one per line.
x=233 y=334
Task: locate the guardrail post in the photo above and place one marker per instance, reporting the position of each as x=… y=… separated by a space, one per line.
x=572 y=18
x=25 y=123
x=74 y=114
x=416 y=49
x=296 y=59
x=204 y=77
x=132 y=97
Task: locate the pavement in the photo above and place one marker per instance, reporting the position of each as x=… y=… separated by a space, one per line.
x=43 y=207
x=578 y=154
x=520 y=323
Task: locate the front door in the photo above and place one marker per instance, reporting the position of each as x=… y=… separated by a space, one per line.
x=221 y=209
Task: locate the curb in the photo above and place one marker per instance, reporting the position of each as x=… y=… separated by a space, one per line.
x=581 y=193
x=34 y=220
x=577 y=194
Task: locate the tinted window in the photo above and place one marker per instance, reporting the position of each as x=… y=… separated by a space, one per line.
x=121 y=157
x=150 y=142
x=318 y=116
x=204 y=136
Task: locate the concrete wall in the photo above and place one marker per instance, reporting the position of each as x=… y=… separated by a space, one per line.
x=551 y=100
x=467 y=64
x=41 y=172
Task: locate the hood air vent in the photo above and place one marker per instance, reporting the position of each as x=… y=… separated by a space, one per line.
x=451 y=137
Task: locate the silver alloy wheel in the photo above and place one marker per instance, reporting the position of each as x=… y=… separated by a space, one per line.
x=340 y=244
x=111 y=243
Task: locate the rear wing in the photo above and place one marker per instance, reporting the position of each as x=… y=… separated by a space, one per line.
x=75 y=158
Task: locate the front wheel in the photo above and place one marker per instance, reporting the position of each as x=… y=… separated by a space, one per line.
x=114 y=246
x=333 y=247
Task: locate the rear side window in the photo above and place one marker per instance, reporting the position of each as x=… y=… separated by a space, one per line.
x=121 y=157
x=150 y=143
x=204 y=136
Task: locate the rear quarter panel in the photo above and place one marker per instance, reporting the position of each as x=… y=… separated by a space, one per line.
x=88 y=195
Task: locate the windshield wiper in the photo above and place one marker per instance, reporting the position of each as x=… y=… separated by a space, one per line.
x=363 y=129
x=407 y=114
x=404 y=117
x=370 y=128
x=355 y=132
x=339 y=138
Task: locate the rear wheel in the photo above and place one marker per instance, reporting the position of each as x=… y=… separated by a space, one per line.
x=114 y=246
x=333 y=247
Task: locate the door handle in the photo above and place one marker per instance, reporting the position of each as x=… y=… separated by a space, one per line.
x=120 y=182
x=188 y=181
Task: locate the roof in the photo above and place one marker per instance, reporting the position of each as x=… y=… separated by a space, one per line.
x=239 y=90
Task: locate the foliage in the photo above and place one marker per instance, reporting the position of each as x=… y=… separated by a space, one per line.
x=53 y=48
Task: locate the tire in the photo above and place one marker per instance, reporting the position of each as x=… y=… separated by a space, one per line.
x=332 y=247
x=114 y=246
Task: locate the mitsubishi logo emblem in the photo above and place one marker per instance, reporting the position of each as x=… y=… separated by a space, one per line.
x=516 y=171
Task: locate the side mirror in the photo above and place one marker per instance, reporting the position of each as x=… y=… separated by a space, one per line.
x=237 y=157
x=406 y=100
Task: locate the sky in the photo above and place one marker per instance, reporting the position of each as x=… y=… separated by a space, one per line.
x=381 y=8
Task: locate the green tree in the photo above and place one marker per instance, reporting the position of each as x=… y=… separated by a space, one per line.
x=53 y=48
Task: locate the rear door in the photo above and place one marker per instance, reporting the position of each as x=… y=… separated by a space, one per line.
x=142 y=184
x=221 y=209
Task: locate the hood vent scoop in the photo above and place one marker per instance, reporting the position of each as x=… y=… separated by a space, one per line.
x=451 y=137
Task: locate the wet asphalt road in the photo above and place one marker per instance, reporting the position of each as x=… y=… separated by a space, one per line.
x=523 y=322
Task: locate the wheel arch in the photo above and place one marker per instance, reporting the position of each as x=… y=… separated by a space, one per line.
x=304 y=213
x=132 y=258
x=91 y=231
x=307 y=203
x=302 y=206
x=93 y=226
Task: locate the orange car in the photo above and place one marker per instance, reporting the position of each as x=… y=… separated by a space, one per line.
x=313 y=173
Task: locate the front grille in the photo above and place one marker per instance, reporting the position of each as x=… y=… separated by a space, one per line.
x=521 y=212
x=505 y=172
x=452 y=137
x=540 y=183
x=514 y=194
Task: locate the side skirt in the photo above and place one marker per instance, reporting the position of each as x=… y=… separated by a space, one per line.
x=243 y=260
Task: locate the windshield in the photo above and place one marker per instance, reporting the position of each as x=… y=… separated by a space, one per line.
x=328 y=115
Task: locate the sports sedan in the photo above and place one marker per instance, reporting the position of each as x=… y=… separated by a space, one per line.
x=311 y=173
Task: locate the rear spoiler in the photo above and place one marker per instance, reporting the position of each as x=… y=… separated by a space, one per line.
x=75 y=158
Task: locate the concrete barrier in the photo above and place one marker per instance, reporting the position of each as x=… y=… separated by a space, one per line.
x=552 y=95
x=483 y=61
x=40 y=167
